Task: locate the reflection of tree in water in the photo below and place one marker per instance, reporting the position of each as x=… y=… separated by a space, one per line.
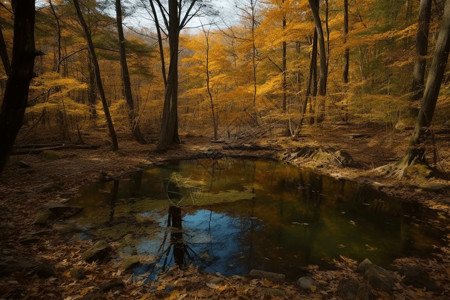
x=177 y=247
x=112 y=200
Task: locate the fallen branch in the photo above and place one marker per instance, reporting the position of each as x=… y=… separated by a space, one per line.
x=35 y=149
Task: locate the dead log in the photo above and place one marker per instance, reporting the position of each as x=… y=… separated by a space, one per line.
x=36 y=150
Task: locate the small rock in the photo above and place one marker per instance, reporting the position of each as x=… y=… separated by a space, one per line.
x=112 y=285
x=42 y=218
x=306 y=283
x=55 y=211
x=362 y=267
x=419 y=278
x=61 y=211
x=100 y=251
x=77 y=274
x=350 y=289
x=130 y=262
x=267 y=275
x=379 y=278
x=215 y=280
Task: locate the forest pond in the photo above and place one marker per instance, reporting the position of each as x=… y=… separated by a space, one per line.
x=234 y=215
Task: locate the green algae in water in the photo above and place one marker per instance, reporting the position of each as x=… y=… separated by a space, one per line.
x=234 y=215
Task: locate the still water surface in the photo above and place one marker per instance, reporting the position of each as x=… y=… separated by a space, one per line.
x=234 y=215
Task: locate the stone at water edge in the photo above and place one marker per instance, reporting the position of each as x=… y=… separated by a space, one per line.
x=364 y=265
x=419 y=278
x=267 y=275
x=77 y=274
x=100 y=251
x=379 y=278
x=131 y=262
x=350 y=289
x=307 y=283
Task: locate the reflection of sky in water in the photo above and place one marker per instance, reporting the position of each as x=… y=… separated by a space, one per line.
x=223 y=251
x=285 y=218
x=214 y=240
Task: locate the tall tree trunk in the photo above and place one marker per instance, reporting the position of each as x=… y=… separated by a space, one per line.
x=4 y=53
x=346 y=55
x=416 y=149
x=314 y=4
x=92 y=90
x=160 y=43
x=284 y=67
x=169 y=127
x=312 y=65
x=17 y=86
x=253 y=7
x=299 y=73
x=58 y=31
x=208 y=83
x=98 y=78
x=126 y=83
x=418 y=84
x=347 y=50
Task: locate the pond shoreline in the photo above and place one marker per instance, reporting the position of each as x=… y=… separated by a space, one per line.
x=24 y=189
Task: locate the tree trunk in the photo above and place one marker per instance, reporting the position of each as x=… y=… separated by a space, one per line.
x=126 y=83
x=284 y=67
x=4 y=54
x=160 y=43
x=169 y=128
x=112 y=132
x=416 y=149
x=92 y=90
x=346 y=55
x=314 y=4
x=18 y=83
x=253 y=4
x=347 y=50
x=421 y=52
x=58 y=30
x=208 y=88
x=311 y=75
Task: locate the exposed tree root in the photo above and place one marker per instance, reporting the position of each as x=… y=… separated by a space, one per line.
x=412 y=165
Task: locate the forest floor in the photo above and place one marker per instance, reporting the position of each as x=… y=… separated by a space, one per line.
x=31 y=181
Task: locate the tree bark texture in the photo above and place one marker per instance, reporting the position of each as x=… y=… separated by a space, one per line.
x=208 y=84
x=160 y=43
x=314 y=4
x=4 y=53
x=126 y=82
x=17 y=86
x=312 y=65
x=432 y=88
x=284 y=67
x=169 y=127
x=347 y=50
x=98 y=78
x=418 y=84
